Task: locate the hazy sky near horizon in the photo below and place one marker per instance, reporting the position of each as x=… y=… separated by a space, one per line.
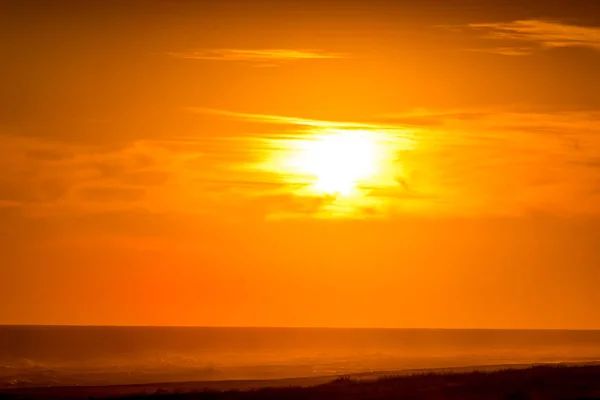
x=430 y=163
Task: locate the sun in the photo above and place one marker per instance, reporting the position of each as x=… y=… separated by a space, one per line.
x=350 y=168
x=339 y=161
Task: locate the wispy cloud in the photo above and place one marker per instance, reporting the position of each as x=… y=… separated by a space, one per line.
x=505 y=51
x=487 y=161
x=285 y=120
x=547 y=34
x=264 y=56
x=112 y=194
x=8 y=204
x=510 y=161
x=280 y=148
x=448 y=162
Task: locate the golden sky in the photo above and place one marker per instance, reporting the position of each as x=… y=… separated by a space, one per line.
x=407 y=163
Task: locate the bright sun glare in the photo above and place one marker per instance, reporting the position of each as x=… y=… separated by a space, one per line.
x=339 y=160
x=348 y=164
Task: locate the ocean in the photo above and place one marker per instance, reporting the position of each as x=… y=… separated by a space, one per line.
x=33 y=356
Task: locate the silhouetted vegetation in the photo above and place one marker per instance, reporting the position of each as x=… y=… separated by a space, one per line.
x=536 y=383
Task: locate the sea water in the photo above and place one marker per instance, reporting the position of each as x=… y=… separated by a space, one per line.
x=69 y=355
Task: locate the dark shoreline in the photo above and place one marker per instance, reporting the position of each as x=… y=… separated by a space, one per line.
x=253 y=388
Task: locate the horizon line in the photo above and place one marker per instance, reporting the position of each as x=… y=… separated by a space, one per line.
x=295 y=327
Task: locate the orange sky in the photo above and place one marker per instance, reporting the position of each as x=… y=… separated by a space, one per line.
x=408 y=163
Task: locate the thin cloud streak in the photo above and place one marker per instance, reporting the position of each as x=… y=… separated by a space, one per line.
x=547 y=34
x=305 y=122
x=505 y=51
x=258 y=55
